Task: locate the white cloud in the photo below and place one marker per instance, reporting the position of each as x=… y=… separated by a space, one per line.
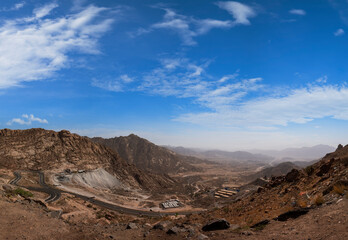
x=298 y=106
x=300 y=12
x=45 y=10
x=322 y=79
x=18 y=6
x=182 y=78
x=234 y=101
x=240 y=12
x=15 y=7
x=117 y=85
x=27 y=120
x=205 y=25
x=339 y=32
x=189 y=27
x=177 y=23
x=34 y=48
x=125 y=78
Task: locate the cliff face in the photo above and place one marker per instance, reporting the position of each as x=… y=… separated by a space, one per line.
x=39 y=149
x=146 y=155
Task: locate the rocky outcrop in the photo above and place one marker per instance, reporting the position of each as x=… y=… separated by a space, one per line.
x=146 y=155
x=217 y=224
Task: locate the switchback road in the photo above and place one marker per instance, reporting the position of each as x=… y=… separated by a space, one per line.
x=56 y=193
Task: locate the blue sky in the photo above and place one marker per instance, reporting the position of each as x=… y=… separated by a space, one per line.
x=211 y=74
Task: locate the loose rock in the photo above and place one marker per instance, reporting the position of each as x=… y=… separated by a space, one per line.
x=132 y=226
x=217 y=224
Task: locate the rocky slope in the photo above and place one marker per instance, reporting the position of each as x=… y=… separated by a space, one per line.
x=319 y=184
x=278 y=170
x=148 y=156
x=39 y=149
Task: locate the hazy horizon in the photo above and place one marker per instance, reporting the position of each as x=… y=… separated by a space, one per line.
x=229 y=75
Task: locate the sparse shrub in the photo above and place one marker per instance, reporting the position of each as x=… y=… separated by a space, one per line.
x=301 y=203
x=22 y=192
x=226 y=210
x=319 y=200
x=309 y=170
x=339 y=189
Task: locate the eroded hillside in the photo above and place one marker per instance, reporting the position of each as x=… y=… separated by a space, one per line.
x=39 y=149
x=148 y=156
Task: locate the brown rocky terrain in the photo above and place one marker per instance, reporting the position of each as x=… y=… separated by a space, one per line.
x=309 y=203
x=39 y=149
x=300 y=191
x=278 y=170
x=148 y=156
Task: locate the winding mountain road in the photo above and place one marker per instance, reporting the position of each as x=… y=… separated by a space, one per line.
x=18 y=177
x=55 y=194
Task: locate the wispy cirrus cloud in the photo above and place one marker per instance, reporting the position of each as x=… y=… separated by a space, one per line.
x=231 y=100
x=35 y=47
x=182 y=78
x=15 y=7
x=116 y=85
x=189 y=27
x=339 y=32
x=241 y=12
x=300 y=12
x=299 y=106
x=27 y=120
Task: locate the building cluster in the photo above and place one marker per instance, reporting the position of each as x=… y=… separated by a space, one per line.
x=172 y=203
x=225 y=193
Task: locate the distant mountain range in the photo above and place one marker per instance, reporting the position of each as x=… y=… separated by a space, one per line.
x=304 y=153
x=222 y=156
x=266 y=156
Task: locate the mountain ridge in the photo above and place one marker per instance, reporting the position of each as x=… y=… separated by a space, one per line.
x=148 y=156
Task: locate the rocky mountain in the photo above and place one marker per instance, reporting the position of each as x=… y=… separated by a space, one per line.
x=278 y=170
x=148 y=156
x=40 y=149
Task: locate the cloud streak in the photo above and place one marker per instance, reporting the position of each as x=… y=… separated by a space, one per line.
x=299 y=12
x=189 y=27
x=27 y=120
x=36 y=47
x=339 y=32
x=240 y=12
x=299 y=106
x=233 y=101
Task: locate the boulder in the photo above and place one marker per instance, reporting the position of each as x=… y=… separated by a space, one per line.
x=7 y=187
x=55 y=214
x=132 y=226
x=202 y=237
x=291 y=214
x=293 y=175
x=340 y=146
x=163 y=225
x=325 y=168
x=260 y=225
x=217 y=224
x=173 y=231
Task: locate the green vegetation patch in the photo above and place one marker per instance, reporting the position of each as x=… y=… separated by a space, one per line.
x=22 y=192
